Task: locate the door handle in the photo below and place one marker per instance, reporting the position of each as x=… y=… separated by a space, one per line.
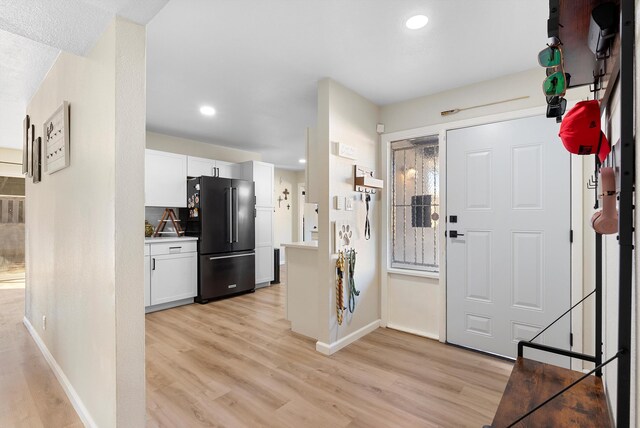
x=154 y=264
x=232 y=256
x=236 y=211
x=230 y=212
x=217 y=172
x=455 y=234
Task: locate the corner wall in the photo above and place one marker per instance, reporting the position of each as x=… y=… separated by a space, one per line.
x=344 y=116
x=84 y=267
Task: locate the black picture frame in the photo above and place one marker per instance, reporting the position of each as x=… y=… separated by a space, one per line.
x=26 y=125
x=30 y=137
x=37 y=159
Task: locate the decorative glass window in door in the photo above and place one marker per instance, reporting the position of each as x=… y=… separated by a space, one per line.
x=415 y=204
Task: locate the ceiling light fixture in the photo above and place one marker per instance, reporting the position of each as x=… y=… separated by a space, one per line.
x=417 y=22
x=302 y=160
x=207 y=111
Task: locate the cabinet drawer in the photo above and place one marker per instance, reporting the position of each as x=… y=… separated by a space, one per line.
x=174 y=248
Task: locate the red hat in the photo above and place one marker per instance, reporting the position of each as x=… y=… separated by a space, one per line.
x=580 y=131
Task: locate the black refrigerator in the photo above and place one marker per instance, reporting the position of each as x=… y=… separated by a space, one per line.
x=221 y=213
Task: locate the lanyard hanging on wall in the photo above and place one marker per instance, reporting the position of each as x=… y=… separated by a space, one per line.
x=340 y=287
x=351 y=269
x=367 y=224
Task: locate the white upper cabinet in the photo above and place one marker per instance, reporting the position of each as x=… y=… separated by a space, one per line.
x=197 y=167
x=228 y=170
x=165 y=182
x=261 y=174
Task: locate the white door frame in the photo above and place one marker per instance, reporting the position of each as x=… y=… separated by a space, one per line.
x=576 y=218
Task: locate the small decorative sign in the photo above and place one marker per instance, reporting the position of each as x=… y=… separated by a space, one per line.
x=343 y=235
x=56 y=140
x=347 y=151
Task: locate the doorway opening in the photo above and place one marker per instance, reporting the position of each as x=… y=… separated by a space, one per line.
x=12 y=232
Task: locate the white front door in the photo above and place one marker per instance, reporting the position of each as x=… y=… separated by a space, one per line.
x=508 y=271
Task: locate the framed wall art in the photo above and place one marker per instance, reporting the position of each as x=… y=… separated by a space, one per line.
x=30 y=136
x=26 y=124
x=37 y=156
x=56 y=140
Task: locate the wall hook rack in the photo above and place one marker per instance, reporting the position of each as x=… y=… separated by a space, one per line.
x=364 y=181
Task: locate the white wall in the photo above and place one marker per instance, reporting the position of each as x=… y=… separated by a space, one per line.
x=8 y=160
x=344 y=116
x=84 y=229
x=286 y=219
x=417 y=304
x=183 y=146
x=425 y=111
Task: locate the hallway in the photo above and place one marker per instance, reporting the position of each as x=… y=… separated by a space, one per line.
x=30 y=395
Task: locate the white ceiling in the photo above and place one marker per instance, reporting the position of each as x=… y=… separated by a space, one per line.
x=32 y=33
x=258 y=62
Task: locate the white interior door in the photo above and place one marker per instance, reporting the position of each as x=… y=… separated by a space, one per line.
x=508 y=271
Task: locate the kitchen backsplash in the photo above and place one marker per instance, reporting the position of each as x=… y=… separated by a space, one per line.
x=154 y=214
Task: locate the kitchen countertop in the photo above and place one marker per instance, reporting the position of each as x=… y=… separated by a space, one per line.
x=166 y=239
x=306 y=245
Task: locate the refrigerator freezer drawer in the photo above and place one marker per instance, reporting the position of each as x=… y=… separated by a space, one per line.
x=225 y=274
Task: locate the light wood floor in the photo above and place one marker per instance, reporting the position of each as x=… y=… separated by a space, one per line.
x=235 y=363
x=30 y=395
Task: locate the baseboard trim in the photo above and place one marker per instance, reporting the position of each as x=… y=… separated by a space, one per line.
x=331 y=348
x=73 y=396
x=413 y=331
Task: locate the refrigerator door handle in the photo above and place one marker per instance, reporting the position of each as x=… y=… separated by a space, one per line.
x=236 y=212
x=230 y=213
x=232 y=256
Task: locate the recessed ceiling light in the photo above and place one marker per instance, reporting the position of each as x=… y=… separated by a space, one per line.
x=302 y=160
x=417 y=22
x=207 y=111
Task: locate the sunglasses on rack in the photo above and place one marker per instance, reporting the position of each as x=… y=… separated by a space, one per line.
x=556 y=106
x=556 y=83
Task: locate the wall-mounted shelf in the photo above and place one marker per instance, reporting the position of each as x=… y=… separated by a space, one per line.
x=569 y=21
x=364 y=181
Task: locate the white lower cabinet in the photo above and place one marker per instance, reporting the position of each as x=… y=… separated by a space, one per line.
x=173 y=277
x=264 y=264
x=171 y=274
